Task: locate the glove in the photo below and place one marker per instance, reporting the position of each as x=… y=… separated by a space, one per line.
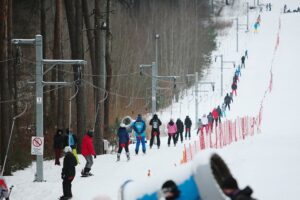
x=95 y=156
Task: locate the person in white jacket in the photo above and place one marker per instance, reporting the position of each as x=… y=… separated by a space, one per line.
x=205 y=122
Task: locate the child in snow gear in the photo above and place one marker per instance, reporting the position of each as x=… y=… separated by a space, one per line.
x=227 y=101
x=123 y=141
x=179 y=125
x=68 y=173
x=172 y=129
x=139 y=127
x=188 y=125
x=4 y=191
x=231 y=189
x=71 y=140
x=58 y=144
x=155 y=123
x=88 y=152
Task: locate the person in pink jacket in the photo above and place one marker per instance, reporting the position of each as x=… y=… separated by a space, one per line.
x=172 y=130
x=88 y=151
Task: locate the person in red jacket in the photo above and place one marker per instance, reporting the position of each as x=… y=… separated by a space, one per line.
x=88 y=151
x=215 y=115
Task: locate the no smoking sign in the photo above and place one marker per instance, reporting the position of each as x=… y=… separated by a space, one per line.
x=37 y=145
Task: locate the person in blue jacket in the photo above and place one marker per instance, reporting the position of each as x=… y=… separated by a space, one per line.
x=139 y=127
x=123 y=141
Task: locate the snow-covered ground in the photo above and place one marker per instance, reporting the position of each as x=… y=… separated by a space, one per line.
x=269 y=162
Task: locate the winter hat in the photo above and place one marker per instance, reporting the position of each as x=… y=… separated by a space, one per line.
x=170 y=190
x=122 y=125
x=229 y=183
x=67 y=149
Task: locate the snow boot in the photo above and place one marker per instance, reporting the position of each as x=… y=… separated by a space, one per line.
x=136 y=152
x=118 y=157
x=128 y=156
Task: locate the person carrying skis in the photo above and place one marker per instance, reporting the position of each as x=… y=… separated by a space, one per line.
x=243 y=59
x=155 y=123
x=123 y=141
x=58 y=144
x=180 y=127
x=71 y=140
x=68 y=173
x=234 y=87
x=4 y=191
x=139 y=127
x=88 y=152
x=172 y=129
x=188 y=125
x=227 y=101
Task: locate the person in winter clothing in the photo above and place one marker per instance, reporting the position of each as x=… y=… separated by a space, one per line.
x=123 y=141
x=4 y=191
x=68 y=173
x=215 y=115
x=227 y=101
x=234 y=87
x=238 y=72
x=246 y=53
x=180 y=127
x=169 y=191
x=205 y=122
x=210 y=120
x=88 y=152
x=223 y=109
x=235 y=78
x=71 y=140
x=139 y=127
x=219 y=114
x=58 y=144
x=155 y=123
x=188 y=125
x=200 y=127
x=243 y=60
x=231 y=189
x=172 y=130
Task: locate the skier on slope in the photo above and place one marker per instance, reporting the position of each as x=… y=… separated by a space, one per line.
x=68 y=173
x=227 y=101
x=180 y=127
x=210 y=120
x=215 y=115
x=188 y=125
x=200 y=127
x=172 y=129
x=58 y=145
x=88 y=151
x=123 y=141
x=243 y=59
x=155 y=123
x=71 y=140
x=234 y=88
x=205 y=123
x=219 y=114
x=139 y=127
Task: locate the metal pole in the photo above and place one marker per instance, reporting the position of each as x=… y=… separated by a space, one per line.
x=247 y=16
x=153 y=88
x=237 y=34
x=156 y=49
x=39 y=102
x=196 y=99
x=221 y=75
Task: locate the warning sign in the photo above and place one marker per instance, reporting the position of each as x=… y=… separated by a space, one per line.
x=37 y=145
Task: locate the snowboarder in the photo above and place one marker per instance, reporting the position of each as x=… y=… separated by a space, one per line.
x=234 y=87
x=139 y=128
x=188 y=125
x=88 y=152
x=4 y=191
x=58 y=143
x=180 y=127
x=227 y=101
x=123 y=141
x=172 y=129
x=71 y=140
x=155 y=123
x=243 y=61
x=231 y=189
x=68 y=173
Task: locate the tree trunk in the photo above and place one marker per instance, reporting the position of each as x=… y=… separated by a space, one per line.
x=57 y=54
x=108 y=68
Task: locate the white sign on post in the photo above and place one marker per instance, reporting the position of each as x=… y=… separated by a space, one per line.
x=37 y=146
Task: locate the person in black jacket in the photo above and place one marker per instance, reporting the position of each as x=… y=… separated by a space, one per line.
x=188 y=125
x=68 y=173
x=123 y=141
x=231 y=189
x=227 y=101
x=155 y=123
x=58 y=145
x=180 y=128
